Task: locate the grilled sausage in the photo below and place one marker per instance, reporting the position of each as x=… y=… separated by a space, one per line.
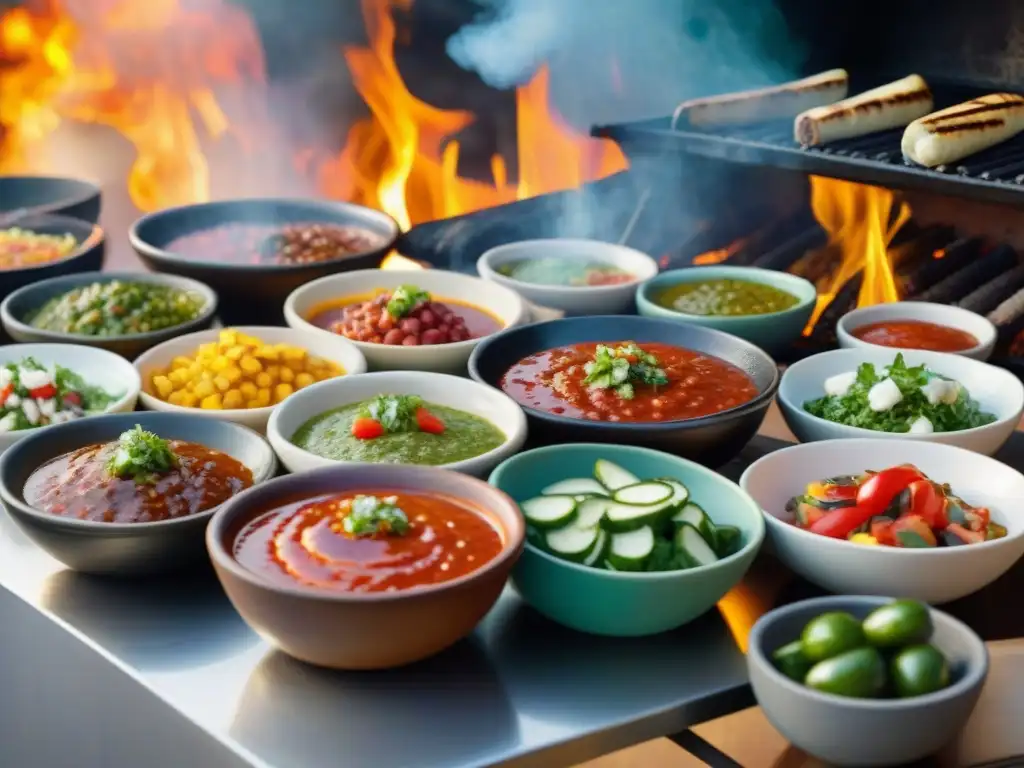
x=954 y=133
x=776 y=102
x=889 y=106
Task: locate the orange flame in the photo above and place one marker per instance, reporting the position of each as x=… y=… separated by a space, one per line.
x=720 y=255
x=861 y=223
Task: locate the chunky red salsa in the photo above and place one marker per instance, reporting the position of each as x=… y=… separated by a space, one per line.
x=374 y=541
x=694 y=385
x=915 y=334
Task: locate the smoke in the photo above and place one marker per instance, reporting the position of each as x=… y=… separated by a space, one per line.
x=663 y=51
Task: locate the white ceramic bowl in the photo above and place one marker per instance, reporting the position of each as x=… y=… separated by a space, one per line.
x=996 y=390
x=327 y=346
x=503 y=303
x=586 y=300
x=96 y=366
x=451 y=391
x=934 y=575
x=922 y=311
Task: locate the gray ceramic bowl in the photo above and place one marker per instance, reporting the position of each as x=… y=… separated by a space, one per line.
x=123 y=549
x=19 y=306
x=864 y=732
x=364 y=630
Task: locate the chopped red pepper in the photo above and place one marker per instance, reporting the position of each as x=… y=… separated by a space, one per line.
x=978 y=518
x=842 y=522
x=913 y=531
x=72 y=398
x=44 y=392
x=881 y=531
x=428 y=422
x=365 y=428
x=5 y=393
x=878 y=491
x=929 y=503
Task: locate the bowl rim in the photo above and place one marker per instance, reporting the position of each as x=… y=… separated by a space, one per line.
x=757 y=532
x=807 y=292
x=777 y=523
x=274 y=432
x=87 y=190
x=863 y=432
x=974 y=675
x=762 y=399
x=8 y=496
x=844 y=327
x=338 y=206
x=514 y=536
x=95 y=237
x=488 y=272
x=292 y=315
x=114 y=360
x=79 y=279
x=152 y=402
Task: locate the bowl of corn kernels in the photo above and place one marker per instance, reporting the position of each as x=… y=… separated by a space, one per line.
x=240 y=374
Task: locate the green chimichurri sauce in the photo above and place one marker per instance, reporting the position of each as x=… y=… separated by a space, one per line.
x=726 y=298
x=465 y=436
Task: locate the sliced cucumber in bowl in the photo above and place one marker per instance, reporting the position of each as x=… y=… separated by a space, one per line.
x=631 y=551
x=573 y=543
x=697 y=550
x=644 y=494
x=612 y=476
x=591 y=511
x=546 y=512
x=693 y=514
x=576 y=486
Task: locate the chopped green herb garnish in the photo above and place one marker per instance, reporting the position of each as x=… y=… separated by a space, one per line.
x=370 y=515
x=141 y=455
x=396 y=413
x=621 y=368
x=404 y=299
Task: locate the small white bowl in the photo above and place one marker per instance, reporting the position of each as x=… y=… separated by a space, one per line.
x=505 y=304
x=336 y=349
x=925 y=312
x=578 y=300
x=933 y=575
x=96 y=366
x=997 y=391
x=451 y=391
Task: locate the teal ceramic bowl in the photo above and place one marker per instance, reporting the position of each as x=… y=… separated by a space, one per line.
x=615 y=603
x=772 y=331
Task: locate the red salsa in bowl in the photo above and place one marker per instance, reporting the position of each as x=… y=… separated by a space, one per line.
x=627 y=382
x=378 y=540
x=405 y=316
x=915 y=334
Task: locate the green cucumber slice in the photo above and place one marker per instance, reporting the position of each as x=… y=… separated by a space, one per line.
x=692 y=514
x=612 y=476
x=599 y=550
x=692 y=543
x=680 y=492
x=590 y=512
x=549 y=511
x=572 y=543
x=576 y=486
x=727 y=539
x=644 y=494
x=630 y=551
x=619 y=518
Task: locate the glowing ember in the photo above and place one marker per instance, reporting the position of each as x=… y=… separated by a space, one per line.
x=717 y=257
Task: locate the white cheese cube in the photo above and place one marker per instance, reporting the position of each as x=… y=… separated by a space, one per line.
x=31 y=411
x=839 y=385
x=8 y=422
x=33 y=379
x=921 y=426
x=884 y=395
x=941 y=391
x=12 y=401
x=5 y=377
x=47 y=406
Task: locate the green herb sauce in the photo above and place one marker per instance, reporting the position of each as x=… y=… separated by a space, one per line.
x=726 y=298
x=330 y=435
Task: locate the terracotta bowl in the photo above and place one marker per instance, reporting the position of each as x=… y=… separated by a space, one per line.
x=363 y=630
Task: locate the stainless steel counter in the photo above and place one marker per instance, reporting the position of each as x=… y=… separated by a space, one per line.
x=103 y=674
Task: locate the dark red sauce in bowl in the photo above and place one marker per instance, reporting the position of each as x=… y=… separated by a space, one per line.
x=915 y=334
x=294 y=243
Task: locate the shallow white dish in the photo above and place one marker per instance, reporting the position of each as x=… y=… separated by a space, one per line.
x=96 y=366
x=934 y=575
x=997 y=391
x=504 y=304
x=581 y=300
x=337 y=349
x=451 y=391
x=922 y=311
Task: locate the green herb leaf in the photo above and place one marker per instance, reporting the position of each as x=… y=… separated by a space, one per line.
x=370 y=515
x=141 y=455
x=404 y=299
x=621 y=368
x=396 y=413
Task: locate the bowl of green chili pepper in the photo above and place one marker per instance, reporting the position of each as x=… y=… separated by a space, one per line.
x=123 y=312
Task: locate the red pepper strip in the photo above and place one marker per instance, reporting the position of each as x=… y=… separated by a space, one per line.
x=929 y=503
x=44 y=392
x=5 y=393
x=428 y=422
x=365 y=428
x=878 y=491
x=881 y=531
x=840 y=523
